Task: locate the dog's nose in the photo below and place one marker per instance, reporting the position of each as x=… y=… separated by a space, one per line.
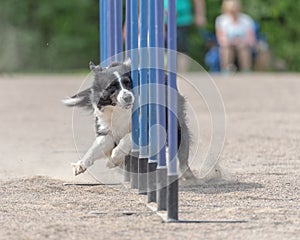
x=127 y=97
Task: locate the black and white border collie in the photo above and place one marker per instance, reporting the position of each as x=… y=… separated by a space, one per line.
x=111 y=99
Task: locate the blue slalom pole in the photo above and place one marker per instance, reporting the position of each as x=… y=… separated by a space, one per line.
x=134 y=76
x=161 y=97
x=103 y=32
x=127 y=29
x=161 y=118
x=152 y=82
x=127 y=165
x=101 y=10
x=118 y=36
x=143 y=78
x=172 y=85
x=143 y=139
x=152 y=163
x=172 y=198
x=110 y=11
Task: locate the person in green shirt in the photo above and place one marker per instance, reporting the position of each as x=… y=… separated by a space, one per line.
x=189 y=12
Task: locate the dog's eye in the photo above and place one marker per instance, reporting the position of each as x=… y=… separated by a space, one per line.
x=127 y=82
x=112 y=87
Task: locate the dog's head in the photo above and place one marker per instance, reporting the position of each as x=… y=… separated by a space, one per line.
x=112 y=86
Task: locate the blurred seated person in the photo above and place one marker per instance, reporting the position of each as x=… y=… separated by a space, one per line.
x=189 y=12
x=236 y=36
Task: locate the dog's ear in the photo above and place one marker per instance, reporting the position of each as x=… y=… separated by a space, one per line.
x=114 y=64
x=94 y=67
x=127 y=62
x=81 y=99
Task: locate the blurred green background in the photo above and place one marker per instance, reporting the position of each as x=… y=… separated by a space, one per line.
x=63 y=35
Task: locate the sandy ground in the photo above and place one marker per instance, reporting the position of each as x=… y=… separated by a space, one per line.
x=261 y=155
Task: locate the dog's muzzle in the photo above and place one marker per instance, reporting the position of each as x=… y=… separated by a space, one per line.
x=125 y=99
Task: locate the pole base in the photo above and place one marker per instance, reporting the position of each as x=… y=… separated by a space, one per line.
x=161 y=181
x=134 y=159
x=142 y=176
x=172 y=198
x=127 y=168
x=151 y=182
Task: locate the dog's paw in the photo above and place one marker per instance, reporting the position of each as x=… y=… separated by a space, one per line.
x=78 y=168
x=110 y=164
x=117 y=156
x=188 y=174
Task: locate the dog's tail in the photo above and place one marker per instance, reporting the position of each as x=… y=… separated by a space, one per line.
x=81 y=99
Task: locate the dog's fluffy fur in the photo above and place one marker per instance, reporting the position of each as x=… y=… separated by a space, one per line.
x=111 y=99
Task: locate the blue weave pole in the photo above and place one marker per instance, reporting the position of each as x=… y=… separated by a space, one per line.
x=118 y=28
x=134 y=75
x=143 y=79
x=127 y=29
x=172 y=86
x=161 y=172
x=152 y=82
x=143 y=127
x=111 y=30
x=152 y=107
x=160 y=76
x=172 y=197
x=103 y=31
x=127 y=165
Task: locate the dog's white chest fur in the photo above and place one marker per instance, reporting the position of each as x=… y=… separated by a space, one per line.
x=115 y=121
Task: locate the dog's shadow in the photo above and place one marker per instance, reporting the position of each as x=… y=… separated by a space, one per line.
x=219 y=187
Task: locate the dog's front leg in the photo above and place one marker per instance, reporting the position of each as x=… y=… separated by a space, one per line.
x=101 y=146
x=120 y=151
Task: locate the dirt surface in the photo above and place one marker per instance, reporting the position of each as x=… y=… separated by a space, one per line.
x=259 y=200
